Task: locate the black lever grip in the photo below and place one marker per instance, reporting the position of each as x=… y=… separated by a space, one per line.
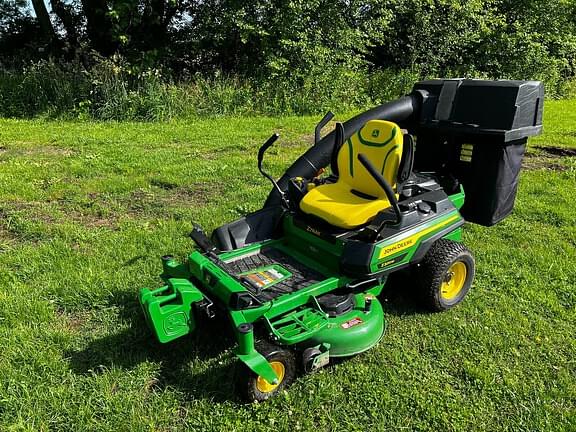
x=202 y=240
x=338 y=143
x=382 y=183
x=329 y=116
x=266 y=146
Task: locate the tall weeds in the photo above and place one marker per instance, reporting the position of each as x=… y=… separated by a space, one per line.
x=113 y=90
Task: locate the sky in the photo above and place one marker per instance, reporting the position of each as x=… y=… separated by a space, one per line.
x=46 y=2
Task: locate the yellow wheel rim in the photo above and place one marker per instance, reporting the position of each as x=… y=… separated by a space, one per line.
x=264 y=386
x=454 y=281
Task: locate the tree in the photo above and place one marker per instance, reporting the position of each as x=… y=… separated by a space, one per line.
x=71 y=22
x=20 y=35
x=99 y=26
x=45 y=24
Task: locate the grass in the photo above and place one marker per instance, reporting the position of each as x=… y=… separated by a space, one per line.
x=87 y=208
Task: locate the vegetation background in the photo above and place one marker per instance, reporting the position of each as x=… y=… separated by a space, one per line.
x=165 y=59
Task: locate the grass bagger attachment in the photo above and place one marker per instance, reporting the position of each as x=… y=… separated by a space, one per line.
x=299 y=280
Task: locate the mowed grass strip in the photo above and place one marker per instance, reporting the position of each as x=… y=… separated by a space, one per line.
x=87 y=209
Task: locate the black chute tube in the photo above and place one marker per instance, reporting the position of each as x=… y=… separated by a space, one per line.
x=320 y=155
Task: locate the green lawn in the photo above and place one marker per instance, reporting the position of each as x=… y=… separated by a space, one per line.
x=86 y=209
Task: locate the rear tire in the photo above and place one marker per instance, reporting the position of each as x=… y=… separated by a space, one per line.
x=254 y=388
x=445 y=275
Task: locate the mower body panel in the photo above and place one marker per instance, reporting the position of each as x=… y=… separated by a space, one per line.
x=353 y=332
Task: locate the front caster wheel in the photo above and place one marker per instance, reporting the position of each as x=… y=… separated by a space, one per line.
x=255 y=388
x=445 y=275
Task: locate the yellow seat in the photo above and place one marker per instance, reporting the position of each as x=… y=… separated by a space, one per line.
x=356 y=198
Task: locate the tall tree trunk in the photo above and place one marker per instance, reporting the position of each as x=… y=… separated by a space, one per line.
x=69 y=21
x=45 y=23
x=155 y=19
x=99 y=26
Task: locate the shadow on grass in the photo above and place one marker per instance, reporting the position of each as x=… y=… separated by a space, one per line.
x=400 y=297
x=136 y=344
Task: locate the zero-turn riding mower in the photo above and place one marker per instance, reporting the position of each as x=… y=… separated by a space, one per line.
x=299 y=279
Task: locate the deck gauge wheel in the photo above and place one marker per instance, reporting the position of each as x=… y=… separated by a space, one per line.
x=254 y=388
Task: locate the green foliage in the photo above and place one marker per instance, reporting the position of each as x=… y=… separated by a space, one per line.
x=114 y=90
x=42 y=88
x=141 y=60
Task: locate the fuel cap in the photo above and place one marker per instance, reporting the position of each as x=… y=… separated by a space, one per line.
x=424 y=207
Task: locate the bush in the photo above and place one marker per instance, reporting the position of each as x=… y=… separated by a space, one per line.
x=223 y=57
x=43 y=88
x=113 y=90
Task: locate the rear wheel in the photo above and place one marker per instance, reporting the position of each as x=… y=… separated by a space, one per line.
x=445 y=275
x=255 y=388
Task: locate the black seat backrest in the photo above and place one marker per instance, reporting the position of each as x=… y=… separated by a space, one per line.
x=407 y=162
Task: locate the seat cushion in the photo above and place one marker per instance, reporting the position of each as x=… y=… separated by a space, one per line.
x=339 y=206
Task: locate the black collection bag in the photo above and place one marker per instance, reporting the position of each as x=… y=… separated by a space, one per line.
x=476 y=131
x=490 y=180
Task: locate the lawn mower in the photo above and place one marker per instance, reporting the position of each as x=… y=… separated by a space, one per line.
x=299 y=280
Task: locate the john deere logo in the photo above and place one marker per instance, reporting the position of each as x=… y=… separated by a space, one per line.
x=174 y=323
x=375 y=133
